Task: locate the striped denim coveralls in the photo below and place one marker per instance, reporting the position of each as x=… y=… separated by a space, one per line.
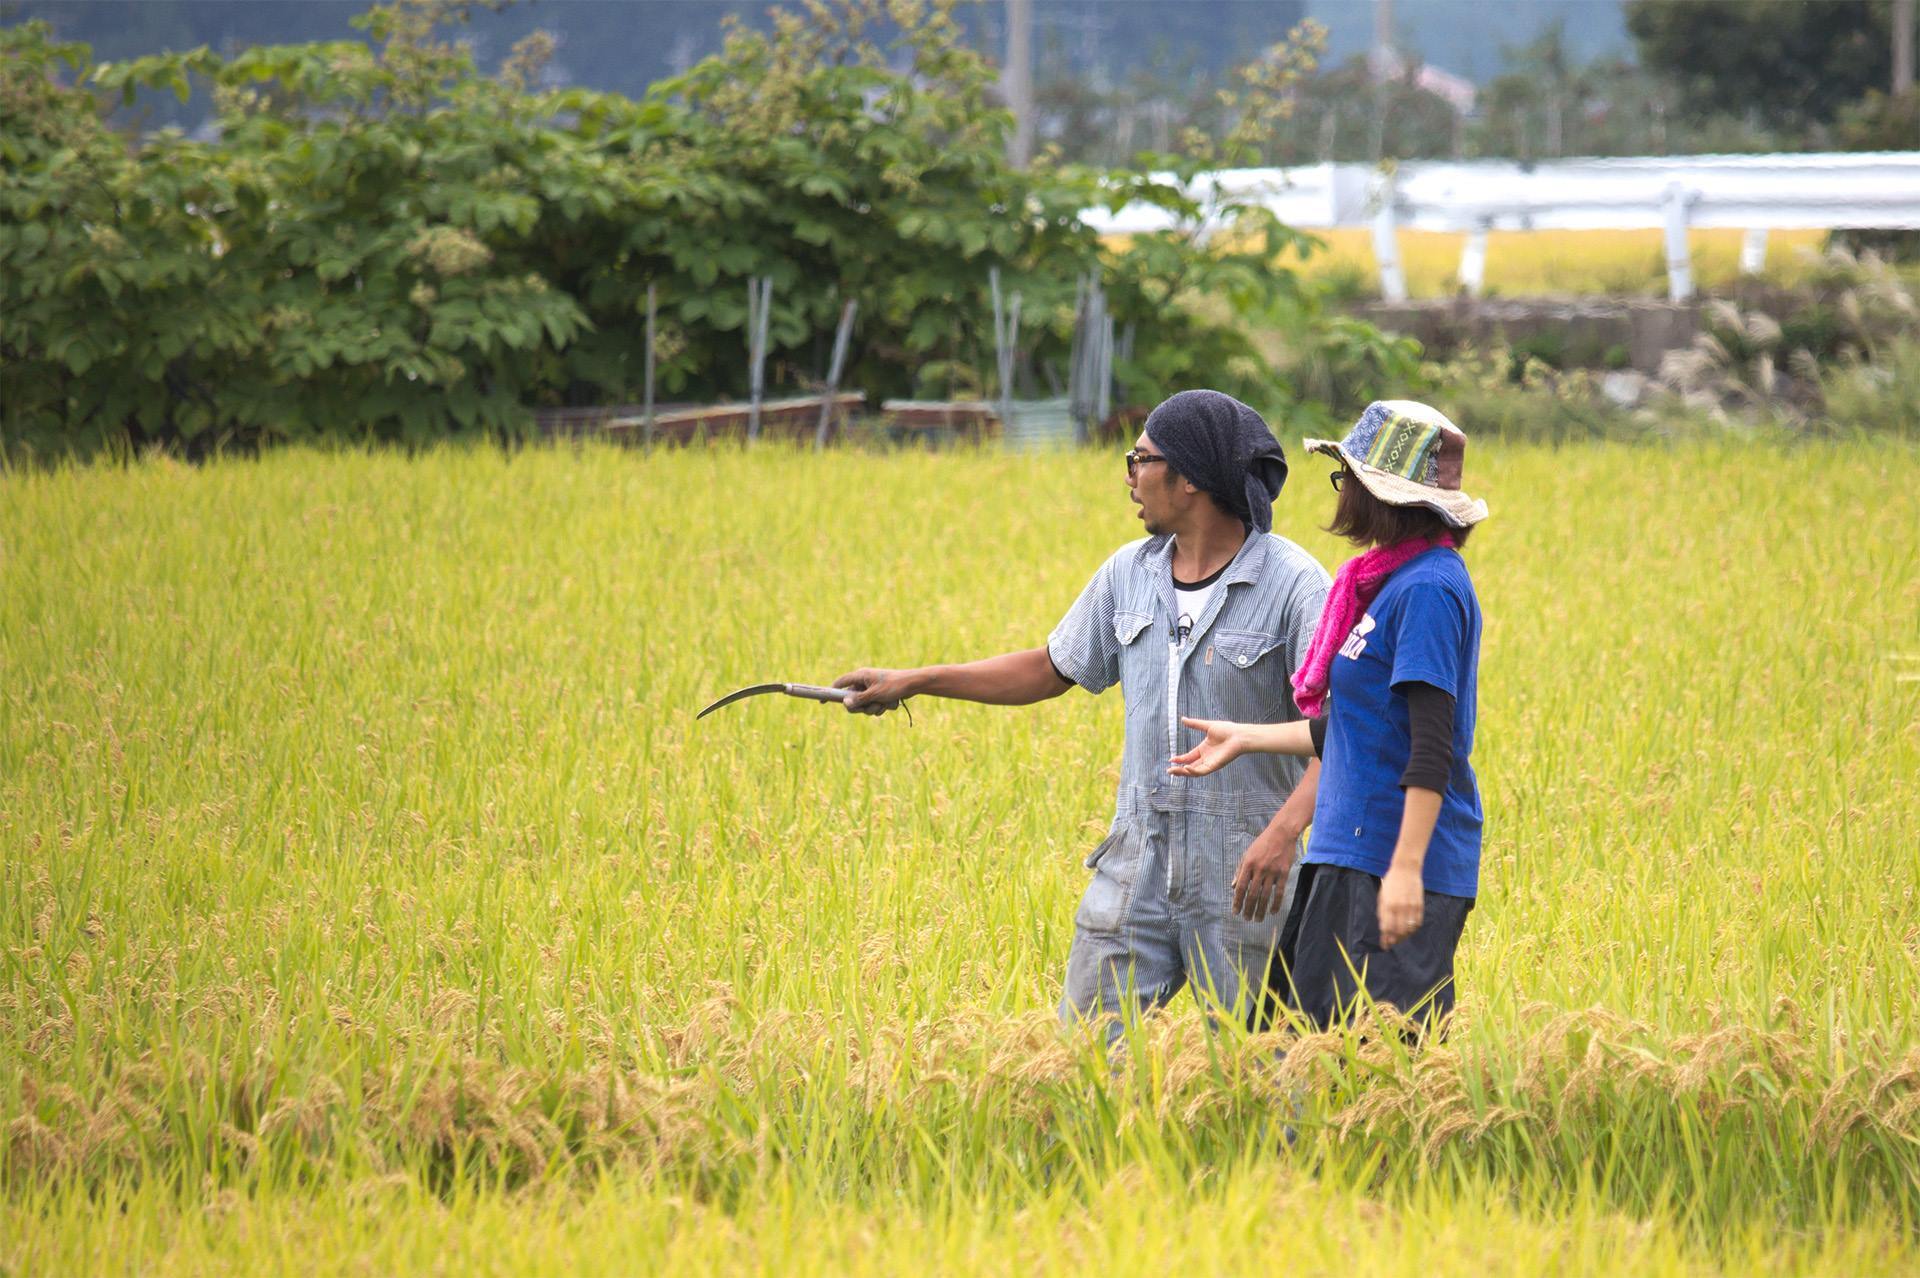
x=1158 y=912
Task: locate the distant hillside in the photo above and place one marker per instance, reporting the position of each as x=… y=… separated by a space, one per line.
x=1467 y=36
x=627 y=44
x=622 y=46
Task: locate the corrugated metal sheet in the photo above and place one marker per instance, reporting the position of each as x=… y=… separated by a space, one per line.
x=1035 y=425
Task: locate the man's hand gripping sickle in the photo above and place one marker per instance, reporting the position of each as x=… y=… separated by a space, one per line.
x=1010 y=679
x=875 y=691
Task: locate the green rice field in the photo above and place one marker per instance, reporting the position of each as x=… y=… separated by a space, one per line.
x=371 y=900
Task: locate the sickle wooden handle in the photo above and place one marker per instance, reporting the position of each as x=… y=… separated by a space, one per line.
x=813 y=693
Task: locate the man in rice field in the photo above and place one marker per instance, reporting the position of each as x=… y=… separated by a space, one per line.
x=1205 y=618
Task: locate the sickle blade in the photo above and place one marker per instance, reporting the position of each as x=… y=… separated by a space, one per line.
x=758 y=689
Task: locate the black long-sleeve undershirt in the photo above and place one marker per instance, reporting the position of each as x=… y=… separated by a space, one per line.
x=1429 y=725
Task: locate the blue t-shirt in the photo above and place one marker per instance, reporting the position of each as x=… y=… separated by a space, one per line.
x=1423 y=627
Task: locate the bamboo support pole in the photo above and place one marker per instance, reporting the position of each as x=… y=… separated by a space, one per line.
x=841 y=337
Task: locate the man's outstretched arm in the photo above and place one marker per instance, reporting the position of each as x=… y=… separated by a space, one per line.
x=1011 y=679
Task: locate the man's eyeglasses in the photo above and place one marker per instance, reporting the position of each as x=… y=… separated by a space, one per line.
x=1337 y=478
x=1136 y=459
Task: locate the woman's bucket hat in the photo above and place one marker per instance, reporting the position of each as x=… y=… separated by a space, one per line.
x=1408 y=454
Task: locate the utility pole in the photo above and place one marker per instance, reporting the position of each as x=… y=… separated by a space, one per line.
x=1386 y=66
x=1902 y=47
x=1019 y=80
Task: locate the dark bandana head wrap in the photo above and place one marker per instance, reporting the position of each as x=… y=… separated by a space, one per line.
x=1224 y=449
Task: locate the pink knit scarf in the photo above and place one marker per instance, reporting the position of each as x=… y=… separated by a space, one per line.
x=1354 y=587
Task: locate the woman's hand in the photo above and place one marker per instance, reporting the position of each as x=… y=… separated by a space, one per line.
x=1225 y=742
x=1228 y=741
x=1403 y=905
x=1403 y=891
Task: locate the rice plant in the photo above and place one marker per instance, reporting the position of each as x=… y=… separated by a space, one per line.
x=1537 y=263
x=371 y=897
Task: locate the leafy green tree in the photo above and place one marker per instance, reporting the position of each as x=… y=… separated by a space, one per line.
x=1223 y=252
x=341 y=263
x=1548 y=104
x=1784 y=62
x=384 y=244
x=106 y=260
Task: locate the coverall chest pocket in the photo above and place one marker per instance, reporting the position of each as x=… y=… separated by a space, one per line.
x=1137 y=661
x=1247 y=679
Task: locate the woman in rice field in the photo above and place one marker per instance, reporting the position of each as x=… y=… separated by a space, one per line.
x=1388 y=686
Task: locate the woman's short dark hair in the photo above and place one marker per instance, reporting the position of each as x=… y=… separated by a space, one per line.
x=1365 y=520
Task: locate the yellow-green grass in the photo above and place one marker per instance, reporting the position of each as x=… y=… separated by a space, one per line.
x=1536 y=263
x=1264 y=1219
x=371 y=897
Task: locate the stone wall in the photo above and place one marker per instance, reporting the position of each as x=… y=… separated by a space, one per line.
x=1568 y=332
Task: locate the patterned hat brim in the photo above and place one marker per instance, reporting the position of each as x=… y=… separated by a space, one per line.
x=1450 y=504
